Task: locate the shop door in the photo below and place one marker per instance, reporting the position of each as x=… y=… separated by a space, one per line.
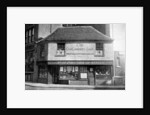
x=54 y=73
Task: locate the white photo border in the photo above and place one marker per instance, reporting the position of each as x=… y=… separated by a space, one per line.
x=18 y=97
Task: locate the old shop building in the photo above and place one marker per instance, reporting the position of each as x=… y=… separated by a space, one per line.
x=71 y=54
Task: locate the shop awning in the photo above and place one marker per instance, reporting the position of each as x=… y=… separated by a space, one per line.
x=102 y=62
x=81 y=33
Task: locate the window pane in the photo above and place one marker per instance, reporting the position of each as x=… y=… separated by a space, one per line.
x=64 y=68
x=76 y=68
x=29 y=32
x=29 y=39
x=32 y=38
x=26 y=33
x=33 y=31
x=99 y=46
x=73 y=69
x=69 y=69
x=83 y=69
x=61 y=68
x=61 y=46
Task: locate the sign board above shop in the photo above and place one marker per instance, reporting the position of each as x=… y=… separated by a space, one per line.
x=104 y=62
x=80 y=48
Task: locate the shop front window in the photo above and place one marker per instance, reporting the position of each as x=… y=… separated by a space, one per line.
x=76 y=68
x=68 y=72
x=102 y=71
x=83 y=72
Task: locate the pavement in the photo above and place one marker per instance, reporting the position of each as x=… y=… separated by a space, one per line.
x=41 y=86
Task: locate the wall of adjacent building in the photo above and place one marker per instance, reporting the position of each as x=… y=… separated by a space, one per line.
x=119 y=70
x=46 y=29
x=87 y=55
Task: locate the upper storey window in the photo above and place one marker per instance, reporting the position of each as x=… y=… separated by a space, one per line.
x=29 y=38
x=60 y=49
x=32 y=35
x=26 y=40
x=99 y=49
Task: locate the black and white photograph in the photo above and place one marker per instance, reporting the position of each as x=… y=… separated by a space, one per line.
x=75 y=56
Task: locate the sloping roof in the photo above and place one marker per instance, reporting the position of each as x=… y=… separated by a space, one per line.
x=80 y=33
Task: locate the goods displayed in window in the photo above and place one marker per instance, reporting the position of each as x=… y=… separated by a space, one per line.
x=68 y=72
x=102 y=71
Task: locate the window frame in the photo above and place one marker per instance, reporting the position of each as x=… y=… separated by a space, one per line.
x=99 y=47
x=60 y=47
x=26 y=36
x=32 y=34
x=61 y=44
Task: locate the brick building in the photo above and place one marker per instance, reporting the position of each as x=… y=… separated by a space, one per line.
x=34 y=33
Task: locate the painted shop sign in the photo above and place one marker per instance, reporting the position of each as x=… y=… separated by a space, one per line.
x=80 y=48
x=80 y=62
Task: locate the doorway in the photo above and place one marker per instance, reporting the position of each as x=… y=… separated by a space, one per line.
x=54 y=72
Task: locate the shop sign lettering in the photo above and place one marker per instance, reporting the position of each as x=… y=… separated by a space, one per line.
x=80 y=48
x=80 y=62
